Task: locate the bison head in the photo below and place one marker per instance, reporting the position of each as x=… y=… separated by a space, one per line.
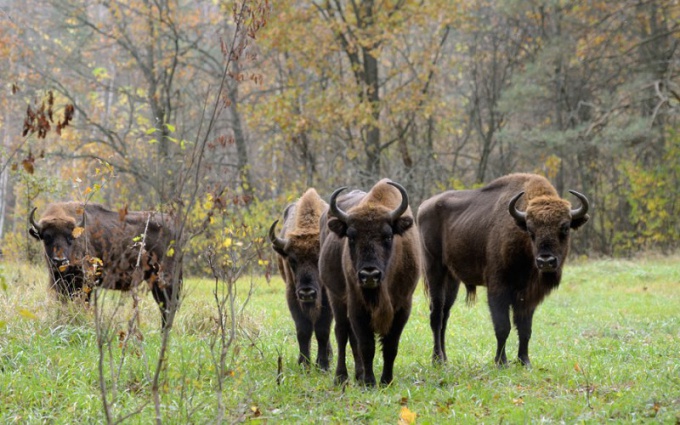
x=369 y=229
x=301 y=254
x=548 y=221
x=57 y=237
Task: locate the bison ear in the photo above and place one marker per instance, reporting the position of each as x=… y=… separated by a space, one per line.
x=402 y=225
x=575 y=224
x=34 y=232
x=337 y=226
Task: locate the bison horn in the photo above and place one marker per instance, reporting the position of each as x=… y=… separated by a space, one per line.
x=519 y=216
x=404 y=202
x=276 y=241
x=581 y=211
x=335 y=210
x=31 y=219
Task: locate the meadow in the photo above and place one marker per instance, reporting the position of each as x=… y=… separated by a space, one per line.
x=605 y=349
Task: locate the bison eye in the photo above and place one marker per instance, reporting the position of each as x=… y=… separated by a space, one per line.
x=564 y=231
x=69 y=239
x=292 y=263
x=351 y=235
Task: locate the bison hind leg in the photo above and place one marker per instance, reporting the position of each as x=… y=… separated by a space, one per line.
x=443 y=292
x=499 y=305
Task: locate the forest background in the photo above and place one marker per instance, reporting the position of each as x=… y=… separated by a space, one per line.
x=179 y=106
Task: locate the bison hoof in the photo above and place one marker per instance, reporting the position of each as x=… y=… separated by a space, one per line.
x=368 y=381
x=438 y=359
x=341 y=379
x=524 y=361
x=385 y=381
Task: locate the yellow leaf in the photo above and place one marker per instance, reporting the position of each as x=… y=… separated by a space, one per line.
x=171 y=251
x=406 y=416
x=27 y=314
x=226 y=243
x=77 y=232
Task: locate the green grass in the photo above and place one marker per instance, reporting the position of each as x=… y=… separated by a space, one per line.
x=605 y=348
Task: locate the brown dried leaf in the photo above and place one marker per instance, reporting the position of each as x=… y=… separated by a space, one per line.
x=122 y=213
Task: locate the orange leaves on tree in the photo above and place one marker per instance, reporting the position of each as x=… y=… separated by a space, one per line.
x=29 y=163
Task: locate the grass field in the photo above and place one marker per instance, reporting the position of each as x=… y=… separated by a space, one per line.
x=605 y=348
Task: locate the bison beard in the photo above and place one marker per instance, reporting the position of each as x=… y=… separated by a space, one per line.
x=298 y=260
x=109 y=250
x=511 y=236
x=369 y=263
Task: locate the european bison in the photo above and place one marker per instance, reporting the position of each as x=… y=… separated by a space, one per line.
x=88 y=244
x=511 y=236
x=370 y=264
x=298 y=260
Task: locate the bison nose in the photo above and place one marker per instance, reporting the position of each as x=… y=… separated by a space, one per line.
x=546 y=262
x=59 y=261
x=306 y=294
x=370 y=277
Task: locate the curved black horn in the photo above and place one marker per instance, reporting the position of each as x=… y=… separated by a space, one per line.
x=276 y=241
x=519 y=216
x=335 y=210
x=404 y=201
x=581 y=211
x=31 y=220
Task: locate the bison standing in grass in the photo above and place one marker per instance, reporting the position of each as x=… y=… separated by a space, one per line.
x=88 y=245
x=370 y=265
x=298 y=260
x=511 y=236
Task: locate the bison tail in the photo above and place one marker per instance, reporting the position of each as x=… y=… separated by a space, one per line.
x=471 y=296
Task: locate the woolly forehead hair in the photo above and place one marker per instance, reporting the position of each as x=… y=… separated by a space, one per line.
x=546 y=209
x=380 y=201
x=304 y=242
x=308 y=211
x=60 y=214
x=539 y=186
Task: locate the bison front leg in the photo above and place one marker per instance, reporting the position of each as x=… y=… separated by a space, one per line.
x=390 y=343
x=523 y=321
x=166 y=300
x=342 y=335
x=304 y=329
x=322 y=329
x=361 y=327
x=499 y=304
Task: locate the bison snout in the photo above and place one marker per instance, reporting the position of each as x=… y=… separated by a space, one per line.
x=546 y=263
x=306 y=294
x=370 y=277
x=59 y=261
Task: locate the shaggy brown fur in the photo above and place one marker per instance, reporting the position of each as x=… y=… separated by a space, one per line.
x=109 y=237
x=471 y=236
x=298 y=257
x=370 y=265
